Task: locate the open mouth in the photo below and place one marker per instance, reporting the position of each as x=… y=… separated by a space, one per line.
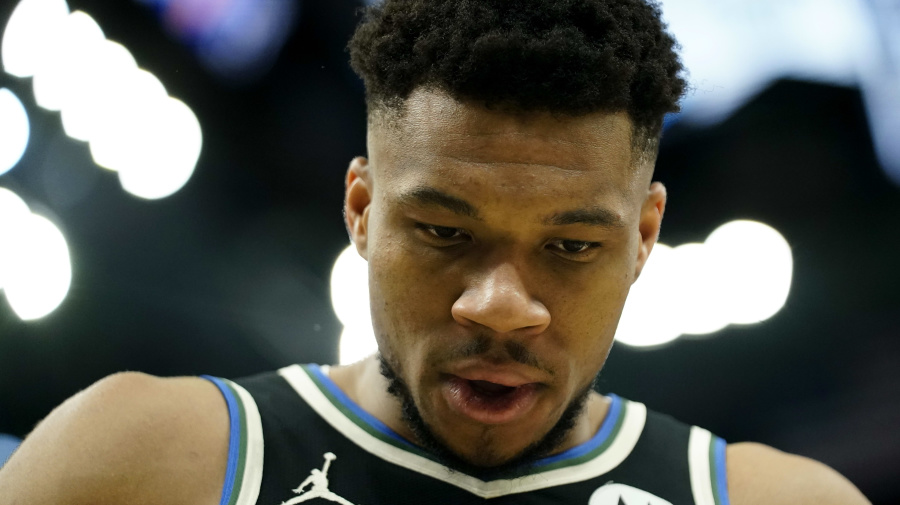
x=488 y=402
x=490 y=390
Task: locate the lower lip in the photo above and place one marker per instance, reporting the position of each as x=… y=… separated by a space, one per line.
x=487 y=409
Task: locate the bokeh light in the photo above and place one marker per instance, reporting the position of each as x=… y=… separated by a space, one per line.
x=238 y=40
x=14 y=130
x=163 y=152
x=35 y=267
x=356 y=343
x=30 y=34
x=132 y=125
x=350 y=299
x=759 y=269
x=734 y=50
x=696 y=279
x=99 y=84
x=117 y=139
x=639 y=328
x=72 y=46
x=13 y=210
x=741 y=274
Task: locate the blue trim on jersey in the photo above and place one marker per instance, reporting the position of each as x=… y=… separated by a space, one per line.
x=353 y=406
x=8 y=445
x=721 y=477
x=606 y=428
x=234 y=439
x=615 y=410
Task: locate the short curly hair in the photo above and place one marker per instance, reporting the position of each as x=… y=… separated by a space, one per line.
x=569 y=57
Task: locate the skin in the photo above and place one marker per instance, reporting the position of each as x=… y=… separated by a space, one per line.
x=132 y=438
x=504 y=273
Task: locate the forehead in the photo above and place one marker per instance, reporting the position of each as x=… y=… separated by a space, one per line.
x=439 y=138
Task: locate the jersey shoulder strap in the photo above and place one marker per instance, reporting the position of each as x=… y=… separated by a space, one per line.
x=684 y=463
x=243 y=475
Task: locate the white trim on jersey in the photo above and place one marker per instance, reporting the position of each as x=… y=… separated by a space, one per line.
x=699 y=464
x=253 y=460
x=618 y=450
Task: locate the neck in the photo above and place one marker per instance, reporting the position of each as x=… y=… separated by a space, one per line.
x=364 y=384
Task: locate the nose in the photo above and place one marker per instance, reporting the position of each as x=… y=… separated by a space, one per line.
x=500 y=301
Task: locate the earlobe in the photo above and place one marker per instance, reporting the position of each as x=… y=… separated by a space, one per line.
x=650 y=222
x=357 y=197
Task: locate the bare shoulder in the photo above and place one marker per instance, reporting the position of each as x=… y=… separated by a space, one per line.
x=129 y=438
x=759 y=474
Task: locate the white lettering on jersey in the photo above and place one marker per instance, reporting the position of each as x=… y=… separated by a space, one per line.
x=620 y=494
x=318 y=479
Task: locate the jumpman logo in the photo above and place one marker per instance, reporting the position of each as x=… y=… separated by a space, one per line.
x=318 y=479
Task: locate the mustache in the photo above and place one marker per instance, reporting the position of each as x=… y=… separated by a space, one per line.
x=496 y=350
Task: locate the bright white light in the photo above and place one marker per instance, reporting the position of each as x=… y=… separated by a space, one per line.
x=14 y=130
x=35 y=269
x=30 y=33
x=105 y=71
x=699 y=287
x=350 y=299
x=166 y=153
x=740 y=275
x=760 y=267
x=132 y=125
x=40 y=270
x=356 y=344
x=649 y=317
x=11 y=205
x=13 y=210
x=350 y=288
x=71 y=48
x=118 y=139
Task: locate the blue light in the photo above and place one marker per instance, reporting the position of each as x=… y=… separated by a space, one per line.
x=735 y=49
x=236 y=39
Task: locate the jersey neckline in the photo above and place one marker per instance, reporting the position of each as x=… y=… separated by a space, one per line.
x=613 y=442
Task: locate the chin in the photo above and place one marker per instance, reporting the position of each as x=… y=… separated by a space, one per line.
x=463 y=443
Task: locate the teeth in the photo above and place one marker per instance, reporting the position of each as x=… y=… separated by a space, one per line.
x=490 y=388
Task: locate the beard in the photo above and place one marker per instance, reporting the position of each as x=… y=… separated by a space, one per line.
x=516 y=466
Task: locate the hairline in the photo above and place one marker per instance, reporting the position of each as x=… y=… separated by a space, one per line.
x=387 y=113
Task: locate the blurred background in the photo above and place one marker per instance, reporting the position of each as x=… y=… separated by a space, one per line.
x=171 y=183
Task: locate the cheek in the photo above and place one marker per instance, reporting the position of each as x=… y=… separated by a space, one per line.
x=406 y=297
x=409 y=309
x=586 y=313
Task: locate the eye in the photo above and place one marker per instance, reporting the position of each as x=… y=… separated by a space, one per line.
x=575 y=248
x=442 y=233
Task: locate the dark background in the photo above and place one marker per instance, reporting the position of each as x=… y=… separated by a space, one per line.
x=229 y=276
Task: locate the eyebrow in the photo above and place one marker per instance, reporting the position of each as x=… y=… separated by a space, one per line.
x=596 y=216
x=435 y=198
x=427 y=196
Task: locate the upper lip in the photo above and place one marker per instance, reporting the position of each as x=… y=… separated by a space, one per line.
x=511 y=374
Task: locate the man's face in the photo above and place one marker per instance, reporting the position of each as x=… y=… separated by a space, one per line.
x=501 y=249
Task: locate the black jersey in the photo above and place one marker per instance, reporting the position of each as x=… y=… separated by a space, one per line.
x=296 y=437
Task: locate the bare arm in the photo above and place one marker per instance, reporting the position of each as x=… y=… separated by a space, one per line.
x=129 y=438
x=761 y=475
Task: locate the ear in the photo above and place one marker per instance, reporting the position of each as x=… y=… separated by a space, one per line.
x=650 y=221
x=357 y=198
